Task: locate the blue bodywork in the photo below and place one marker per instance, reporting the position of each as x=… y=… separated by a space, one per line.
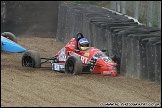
x=11 y=46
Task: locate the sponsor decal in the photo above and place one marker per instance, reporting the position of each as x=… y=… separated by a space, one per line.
x=107 y=72
x=62 y=56
x=57 y=66
x=86 y=54
x=105 y=67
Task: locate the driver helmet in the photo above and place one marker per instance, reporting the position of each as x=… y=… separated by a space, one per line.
x=83 y=44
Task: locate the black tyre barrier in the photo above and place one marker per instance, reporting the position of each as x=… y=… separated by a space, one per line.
x=114 y=38
x=61 y=23
x=140 y=56
x=143 y=59
x=143 y=40
x=113 y=44
x=121 y=27
x=109 y=25
x=151 y=53
x=92 y=15
x=158 y=62
x=120 y=18
x=102 y=19
x=105 y=21
x=133 y=63
x=129 y=20
x=116 y=43
x=125 y=47
x=31 y=18
x=138 y=30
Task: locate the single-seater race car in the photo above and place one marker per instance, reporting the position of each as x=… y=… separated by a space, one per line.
x=9 y=43
x=67 y=60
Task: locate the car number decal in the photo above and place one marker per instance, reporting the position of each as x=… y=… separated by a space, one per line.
x=83 y=59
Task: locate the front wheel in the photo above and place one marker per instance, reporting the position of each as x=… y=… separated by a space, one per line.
x=32 y=59
x=73 y=65
x=10 y=36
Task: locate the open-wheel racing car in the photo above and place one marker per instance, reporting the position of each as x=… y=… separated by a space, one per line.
x=67 y=60
x=9 y=43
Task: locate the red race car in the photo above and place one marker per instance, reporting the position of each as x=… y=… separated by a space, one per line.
x=73 y=61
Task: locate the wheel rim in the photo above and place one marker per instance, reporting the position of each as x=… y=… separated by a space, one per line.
x=70 y=66
x=27 y=61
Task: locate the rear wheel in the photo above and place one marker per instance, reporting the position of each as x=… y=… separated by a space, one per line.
x=10 y=36
x=32 y=59
x=73 y=65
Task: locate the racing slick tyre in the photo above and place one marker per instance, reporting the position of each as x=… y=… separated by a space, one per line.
x=32 y=59
x=73 y=65
x=10 y=36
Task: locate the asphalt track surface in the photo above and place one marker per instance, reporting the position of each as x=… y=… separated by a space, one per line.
x=31 y=87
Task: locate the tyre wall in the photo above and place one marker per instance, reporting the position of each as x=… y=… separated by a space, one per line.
x=30 y=18
x=137 y=48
